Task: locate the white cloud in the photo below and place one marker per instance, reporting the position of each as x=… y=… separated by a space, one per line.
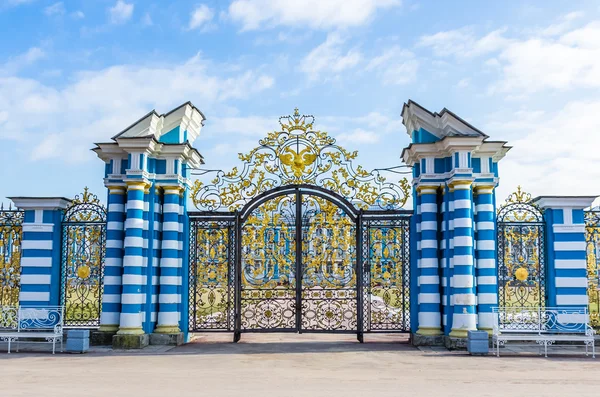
x=463 y=43
x=329 y=58
x=55 y=9
x=463 y=83
x=564 y=24
x=315 y=14
x=553 y=153
x=358 y=136
x=97 y=104
x=147 y=20
x=77 y=14
x=121 y=12
x=200 y=17
x=395 y=66
x=14 y=64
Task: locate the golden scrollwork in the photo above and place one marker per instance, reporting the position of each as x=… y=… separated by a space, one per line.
x=297 y=154
x=85 y=207
x=592 y=228
x=519 y=208
x=10 y=256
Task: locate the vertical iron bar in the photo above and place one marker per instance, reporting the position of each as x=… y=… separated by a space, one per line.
x=238 y=279
x=298 y=260
x=359 y=280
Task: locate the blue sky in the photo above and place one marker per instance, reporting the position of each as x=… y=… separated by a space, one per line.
x=76 y=72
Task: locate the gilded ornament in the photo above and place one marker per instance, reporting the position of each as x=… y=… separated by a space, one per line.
x=521 y=274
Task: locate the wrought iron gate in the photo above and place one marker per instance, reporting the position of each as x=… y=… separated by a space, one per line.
x=592 y=229
x=521 y=260
x=11 y=231
x=83 y=251
x=299 y=241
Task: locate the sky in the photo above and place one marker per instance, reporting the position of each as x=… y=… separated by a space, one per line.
x=73 y=73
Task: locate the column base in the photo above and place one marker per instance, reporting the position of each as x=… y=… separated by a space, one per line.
x=130 y=331
x=460 y=332
x=102 y=338
x=166 y=339
x=490 y=331
x=427 y=340
x=429 y=331
x=455 y=343
x=167 y=329
x=130 y=341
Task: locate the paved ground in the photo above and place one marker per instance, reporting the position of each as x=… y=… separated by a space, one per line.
x=296 y=365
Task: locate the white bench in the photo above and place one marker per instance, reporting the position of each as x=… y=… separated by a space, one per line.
x=543 y=326
x=30 y=323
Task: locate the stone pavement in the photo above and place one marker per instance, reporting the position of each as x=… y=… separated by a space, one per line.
x=296 y=365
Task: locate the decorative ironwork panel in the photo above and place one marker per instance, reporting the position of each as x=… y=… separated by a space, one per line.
x=521 y=261
x=329 y=284
x=83 y=252
x=268 y=271
x=592 y=228
x=387 y=274
x=211 y=274
x=11 y=231
x=298 y=155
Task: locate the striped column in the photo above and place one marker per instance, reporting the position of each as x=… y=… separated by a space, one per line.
x=448 y=327
x=429 y=279
x=40 y=249
x=486 y=269
x=170 y=263
x=113 y=263
x=445 y=261
x=464 y=317
x=146 y=270
x=132 y=296
x=156 y=247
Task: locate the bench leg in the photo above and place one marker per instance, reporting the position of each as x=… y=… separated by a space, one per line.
x=593 y=350
x=18 y=345
x=497 y=348
x=61 y=344
x=586 y=350
x=8 y=345
x=546 y=349
x=53 y=345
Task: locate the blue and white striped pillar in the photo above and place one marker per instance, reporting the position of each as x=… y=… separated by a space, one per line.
x=156 y=232
x=41 y=249
x=132 y=297
x=428 y=263
x=113 y=263
x=486 y=268
x=566 y=262
x=445 y=260
x=170 y=263
x=464 y=316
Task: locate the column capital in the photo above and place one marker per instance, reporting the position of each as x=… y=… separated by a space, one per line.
x=41 y=203
x=137 y=185
x=484 y=188
x=117 y=189
x=427 y=189
x=460 y=184
x=580 y=202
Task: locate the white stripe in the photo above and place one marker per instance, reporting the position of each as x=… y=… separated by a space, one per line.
x=169 y=298
x=36 y=262
x=429 y=225
x=169 y=262
x=429 y=320
x=35 y=279
x=569 y=245
x=134 y=241
x=485 y=225
x=486 y=320
x=109 y=318
x=135 y=205
x=429 y=244
x=464 y=321
x=463 y=241
x=429 y=298
x=463 y=260
x=116 y=208
x=112 y=225
x=462 y=222
x=170 y=226
x=486 y=245
x=114 y=244
x=36 y=244
x=428 y=207
x=486 y=280
x=486 y=263
x=170 y=244
x=572 y=299
x=418 y=228
x=575 y=282
x=570 y=264
x=133 y=279
x=170 y=280
x=113 y=262
x=111 y=298
x=487 y=299
x=133 y=261
x=134 y=223
x=130 y=320
x=462 y=281
x=461 y=204
x=38 y=227
x=132 y=299
x=431 y=280
x=112 y=280
x=485 y=208
x=463 y=299
x=428 y=263
x=168 y=318
x=34 y=296
x=172 y=208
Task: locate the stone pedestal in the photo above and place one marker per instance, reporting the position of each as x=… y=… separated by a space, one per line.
x=453 y=343
x=78 y=340
x=427 y=340
x=101 y=338
x=128 y=341
x=166 y=339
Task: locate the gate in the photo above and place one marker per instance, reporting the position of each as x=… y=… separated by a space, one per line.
x=521 y=260
x=592 y=229
x=299 y=240
x=82 y=269
x=11 y=231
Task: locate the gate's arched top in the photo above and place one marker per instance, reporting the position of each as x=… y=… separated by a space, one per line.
x=519 y=208
x=85 y=207
x=298 y=155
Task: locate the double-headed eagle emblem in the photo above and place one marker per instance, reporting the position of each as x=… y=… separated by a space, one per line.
x=298 y=161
